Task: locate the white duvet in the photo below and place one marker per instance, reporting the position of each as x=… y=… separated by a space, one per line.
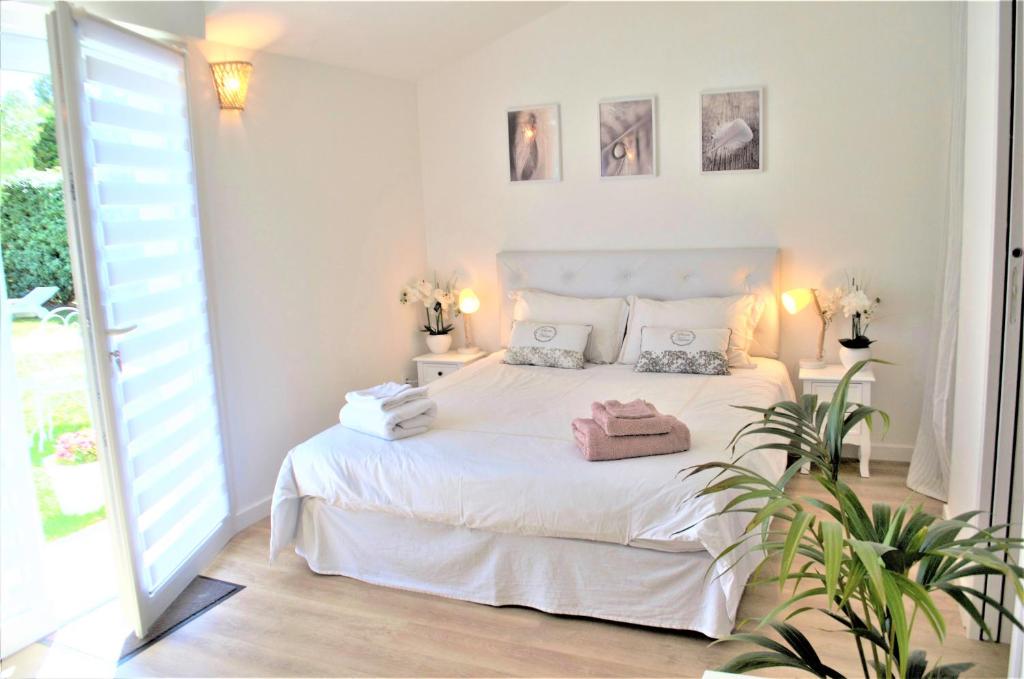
x=501 y=458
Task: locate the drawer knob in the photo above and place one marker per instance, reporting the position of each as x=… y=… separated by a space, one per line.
x=439 y=373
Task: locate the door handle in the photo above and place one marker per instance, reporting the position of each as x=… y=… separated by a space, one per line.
x=113 y=332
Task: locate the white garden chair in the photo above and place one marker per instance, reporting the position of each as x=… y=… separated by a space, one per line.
x=45 y=385
x=63 y=315
x=32 y=303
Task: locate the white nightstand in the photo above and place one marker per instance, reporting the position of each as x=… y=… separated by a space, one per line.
x=823 y=381
x=430 y=367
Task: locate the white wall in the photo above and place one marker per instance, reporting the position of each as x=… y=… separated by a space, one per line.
x=857 y=109
x=311 y=224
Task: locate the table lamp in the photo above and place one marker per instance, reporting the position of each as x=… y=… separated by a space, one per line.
x=469 y=304
x=794 y=301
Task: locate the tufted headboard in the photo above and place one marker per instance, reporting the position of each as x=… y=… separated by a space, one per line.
x=657 y=274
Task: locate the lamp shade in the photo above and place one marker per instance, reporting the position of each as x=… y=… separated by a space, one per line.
x=469 y=303
x=232 y=81
x=795 y=300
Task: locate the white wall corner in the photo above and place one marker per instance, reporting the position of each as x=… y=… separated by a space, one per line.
x=246 y=516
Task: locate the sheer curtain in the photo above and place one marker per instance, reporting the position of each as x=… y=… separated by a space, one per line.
x=929 y=466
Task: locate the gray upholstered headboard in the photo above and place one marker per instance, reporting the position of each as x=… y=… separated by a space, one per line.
x=657 y=274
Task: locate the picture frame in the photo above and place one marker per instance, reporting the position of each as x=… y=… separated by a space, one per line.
x=534 y=143
x=734 y=115
x=628 y=137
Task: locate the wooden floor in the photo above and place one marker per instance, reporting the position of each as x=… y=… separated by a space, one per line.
x=291 y=622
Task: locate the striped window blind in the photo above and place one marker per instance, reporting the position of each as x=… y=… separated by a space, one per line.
x=148 y=257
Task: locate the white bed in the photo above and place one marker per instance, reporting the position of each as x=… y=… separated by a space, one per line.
x=495 y=505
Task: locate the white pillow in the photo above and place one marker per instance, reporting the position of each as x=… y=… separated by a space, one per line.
x=681 y=350
x=606 y=316
x=554 y=345
x=735 y=313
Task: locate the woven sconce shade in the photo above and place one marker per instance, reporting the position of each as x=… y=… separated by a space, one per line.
x=232 y=81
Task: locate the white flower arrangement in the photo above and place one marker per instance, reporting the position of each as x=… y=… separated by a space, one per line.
x=438 y=300
x=854 y=302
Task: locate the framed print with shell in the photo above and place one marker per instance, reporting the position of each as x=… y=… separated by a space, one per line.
x=534 y=146
x=731 y=130
x=628 y=144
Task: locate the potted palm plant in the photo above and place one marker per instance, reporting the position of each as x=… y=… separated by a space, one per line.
x=874 y=571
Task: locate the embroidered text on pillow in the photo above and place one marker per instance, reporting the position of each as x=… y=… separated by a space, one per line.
x=684 y=350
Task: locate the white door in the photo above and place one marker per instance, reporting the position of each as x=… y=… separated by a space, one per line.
x=130 y=189
x=27 y=613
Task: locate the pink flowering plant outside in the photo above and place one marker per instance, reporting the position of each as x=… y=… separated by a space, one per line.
x=78 y=447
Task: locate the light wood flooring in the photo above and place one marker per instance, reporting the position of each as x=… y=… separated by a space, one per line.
x=290 y=622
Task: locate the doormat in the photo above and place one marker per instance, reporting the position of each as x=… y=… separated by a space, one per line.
x=201 y=595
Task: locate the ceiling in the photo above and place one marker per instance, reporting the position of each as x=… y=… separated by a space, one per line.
x=396 y=39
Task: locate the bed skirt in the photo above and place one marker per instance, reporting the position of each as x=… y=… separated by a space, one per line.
x=555 y=575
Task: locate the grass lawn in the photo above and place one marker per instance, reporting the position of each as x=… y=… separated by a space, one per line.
x=52 y=356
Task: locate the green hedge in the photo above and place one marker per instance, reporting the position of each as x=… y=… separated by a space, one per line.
x=33 y=234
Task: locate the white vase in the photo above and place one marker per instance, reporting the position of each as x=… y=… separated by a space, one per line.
x=439 y=344
x=850 y=356
x=78 y=487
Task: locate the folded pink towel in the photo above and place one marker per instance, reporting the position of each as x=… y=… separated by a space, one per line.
x=634 y=410
x=631 y=426
x=596 y=445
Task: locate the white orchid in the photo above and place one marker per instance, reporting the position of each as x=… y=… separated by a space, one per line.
x=437 y=301
x=446 y=298
x=425 y=289
x=409 y=294
x=855 y=302
x=859 y=307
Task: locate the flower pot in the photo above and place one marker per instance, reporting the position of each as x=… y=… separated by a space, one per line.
x=79 y=487
x=850 y=356
x=439 y=344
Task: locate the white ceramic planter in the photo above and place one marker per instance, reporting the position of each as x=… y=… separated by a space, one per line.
x=439 y=344
x=850 y=356
x=79 y=487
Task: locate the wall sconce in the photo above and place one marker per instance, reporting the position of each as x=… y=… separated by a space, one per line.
x=232 y=81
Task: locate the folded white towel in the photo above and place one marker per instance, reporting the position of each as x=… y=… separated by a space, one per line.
x=408 y=419
x=386 y=396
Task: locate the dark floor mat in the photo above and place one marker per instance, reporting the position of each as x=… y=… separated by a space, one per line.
x=201 y=595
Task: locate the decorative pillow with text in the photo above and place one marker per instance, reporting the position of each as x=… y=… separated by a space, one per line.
x=681 y=350
x=552 y=345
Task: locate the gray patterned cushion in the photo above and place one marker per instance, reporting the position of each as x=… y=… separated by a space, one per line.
x=552 y=345
x=544 y=356
x=680 y=350
x=694 y=363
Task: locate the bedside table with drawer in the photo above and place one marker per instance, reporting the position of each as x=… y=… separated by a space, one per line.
x=430 y=367
x=823 y=382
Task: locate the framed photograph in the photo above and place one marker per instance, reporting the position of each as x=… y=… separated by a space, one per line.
x=628 y=144
x=731 y=130
x=534 y=144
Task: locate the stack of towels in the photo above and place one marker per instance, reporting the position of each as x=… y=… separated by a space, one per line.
x=389 y=411
x=635 y=429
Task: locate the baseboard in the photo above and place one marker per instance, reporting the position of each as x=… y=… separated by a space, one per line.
x=889 y=452
x=247 y=516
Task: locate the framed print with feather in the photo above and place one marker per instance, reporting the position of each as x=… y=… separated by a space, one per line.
x=628 y=144
x=731 y=130
x=534 y=145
